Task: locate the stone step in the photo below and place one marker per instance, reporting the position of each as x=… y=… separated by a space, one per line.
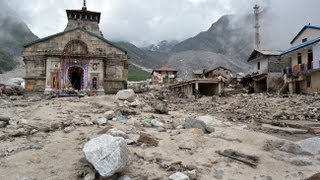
x=288 y=130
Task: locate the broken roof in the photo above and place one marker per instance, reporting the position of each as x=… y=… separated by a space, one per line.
x=263 y=52
x=218 y=68
x=302 y=30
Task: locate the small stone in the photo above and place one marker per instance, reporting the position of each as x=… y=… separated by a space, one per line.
x=109 y=115
x=23 y=122
x=117 y=133
x=68 y=129
x=101 y=121
x=3 y=124
x=156 y=123
x=300 y=161
x=90 y=176
x=36 y=145
x=194 y=123
x=160 y=107
x=148 y=139
x=17 y=132
x=178 y=176
x=125 y=177
x=192 y=174
x=218 y=174
x=5 y=119
x=135 y=104
x=55 y=125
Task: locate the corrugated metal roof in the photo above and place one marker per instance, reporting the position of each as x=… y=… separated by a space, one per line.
x=302 y=30
x=308 y=43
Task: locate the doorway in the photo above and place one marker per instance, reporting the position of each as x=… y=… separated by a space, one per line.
x=75 y=74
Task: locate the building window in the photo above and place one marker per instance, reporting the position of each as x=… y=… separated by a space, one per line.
x=299 y=58
x=310 y=59
x=308 y=79
x=304 y=40
x=258 y=65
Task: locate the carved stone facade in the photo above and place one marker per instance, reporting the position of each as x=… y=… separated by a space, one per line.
x=79 y=57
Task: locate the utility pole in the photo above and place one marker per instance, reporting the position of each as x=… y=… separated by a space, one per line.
x=257 y=26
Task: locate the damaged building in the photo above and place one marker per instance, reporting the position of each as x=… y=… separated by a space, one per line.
x=267 y=70
x=304 y=55
x=79 y=57
x=205 y=83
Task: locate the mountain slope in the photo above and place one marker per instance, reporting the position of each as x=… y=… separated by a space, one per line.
x=14 y=33
x=230 y=36
x=144 y=58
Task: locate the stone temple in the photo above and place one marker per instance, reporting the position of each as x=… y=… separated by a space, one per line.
x=78 y=57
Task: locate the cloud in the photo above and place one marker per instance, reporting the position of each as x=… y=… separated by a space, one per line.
x=150 y=21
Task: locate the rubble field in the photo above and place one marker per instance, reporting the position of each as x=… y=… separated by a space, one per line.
x=159 y=136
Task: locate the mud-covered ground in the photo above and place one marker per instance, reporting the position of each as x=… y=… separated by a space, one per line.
x=44 y=138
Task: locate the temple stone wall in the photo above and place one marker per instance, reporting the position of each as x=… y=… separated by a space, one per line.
x=106 y=64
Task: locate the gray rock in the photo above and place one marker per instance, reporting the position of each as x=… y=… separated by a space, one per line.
x=9 y=91
x=291 y=148
x=125 y=177
x=311 y=145
x=178 y=176
x=156 y=123
x=117 y=133
x=101 y=121
x=109 y=115
x=5 y=119
x=90 y=176
x=23 y=122
x=192 y=174
x=218 y=174
x=135 y=104
x=300 y=161
x=17 y=132
x=68 y=129
x=36 y=145
x=194 y=123
x=210 y=122
x=160 y=107
x=126 y=95
x=3 y=124
x=108 y=154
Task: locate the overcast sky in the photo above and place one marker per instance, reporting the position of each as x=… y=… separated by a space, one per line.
x=149 y=21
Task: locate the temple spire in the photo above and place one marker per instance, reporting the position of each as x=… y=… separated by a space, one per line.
x=84 y=5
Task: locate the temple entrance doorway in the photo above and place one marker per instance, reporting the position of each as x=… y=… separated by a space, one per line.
x=75 y=75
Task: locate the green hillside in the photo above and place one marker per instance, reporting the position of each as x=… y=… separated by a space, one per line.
x=137 y=74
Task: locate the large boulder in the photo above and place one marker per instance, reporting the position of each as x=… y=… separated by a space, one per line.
x=310 y=145
x=107 y=154
x=127 y=94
